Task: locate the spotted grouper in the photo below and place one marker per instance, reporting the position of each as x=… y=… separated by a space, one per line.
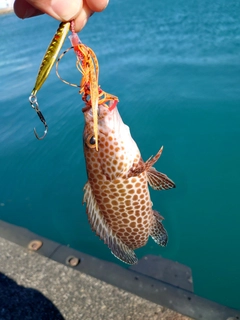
x=117 y=197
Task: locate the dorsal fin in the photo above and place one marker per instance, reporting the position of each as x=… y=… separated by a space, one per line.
x=150 y=162
x=158 y=180
x=158 y=232
x=102 y=229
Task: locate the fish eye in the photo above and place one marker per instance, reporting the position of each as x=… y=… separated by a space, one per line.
x=91 y=142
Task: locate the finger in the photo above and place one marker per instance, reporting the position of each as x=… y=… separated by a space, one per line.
x=25 y=10
x=65 y=10
x=97 y=5
x=60 y=9
x=82 y=18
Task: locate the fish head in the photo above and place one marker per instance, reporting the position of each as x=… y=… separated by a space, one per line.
x=117 y=151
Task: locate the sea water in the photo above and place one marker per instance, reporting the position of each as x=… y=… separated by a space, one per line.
x=175 y=66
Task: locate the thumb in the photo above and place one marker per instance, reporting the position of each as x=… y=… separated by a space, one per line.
x=62 y=10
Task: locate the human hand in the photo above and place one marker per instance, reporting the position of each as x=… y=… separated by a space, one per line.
x=62 y=10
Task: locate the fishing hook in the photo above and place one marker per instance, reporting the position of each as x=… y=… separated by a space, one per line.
x=34 y=105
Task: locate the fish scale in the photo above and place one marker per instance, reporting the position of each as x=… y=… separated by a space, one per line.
x=117 y=196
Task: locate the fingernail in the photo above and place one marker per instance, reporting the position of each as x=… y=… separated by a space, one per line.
x=106 y=5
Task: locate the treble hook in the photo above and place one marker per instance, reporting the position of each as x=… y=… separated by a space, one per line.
x=34 y=105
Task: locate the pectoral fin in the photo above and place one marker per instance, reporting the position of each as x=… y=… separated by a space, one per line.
x=102 y=229
x=158 y=180
x=158 y=232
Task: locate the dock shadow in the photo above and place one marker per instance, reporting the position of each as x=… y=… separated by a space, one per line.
x=20 y=303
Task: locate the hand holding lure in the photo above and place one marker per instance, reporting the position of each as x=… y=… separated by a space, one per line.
x=45 y=68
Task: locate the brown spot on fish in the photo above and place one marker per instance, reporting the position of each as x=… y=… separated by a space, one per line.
x=136 y=204
x=115 y=194
x=106 y=200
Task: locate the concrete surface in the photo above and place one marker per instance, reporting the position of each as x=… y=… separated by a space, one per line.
x=33 y=287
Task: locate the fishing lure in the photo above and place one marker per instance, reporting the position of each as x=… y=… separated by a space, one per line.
x=45 y=68
x=87 y=64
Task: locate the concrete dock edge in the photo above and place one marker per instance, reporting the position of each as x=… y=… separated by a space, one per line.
x=67 y=284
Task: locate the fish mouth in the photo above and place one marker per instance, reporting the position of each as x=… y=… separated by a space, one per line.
x=109 y=121
x=86 y=108
x=110 y=107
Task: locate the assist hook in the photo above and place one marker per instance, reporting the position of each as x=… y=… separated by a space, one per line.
x=34 y=105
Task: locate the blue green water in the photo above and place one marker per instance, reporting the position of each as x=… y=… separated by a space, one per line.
x=175 y=66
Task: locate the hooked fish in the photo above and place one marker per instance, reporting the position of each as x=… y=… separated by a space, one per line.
x=117 y=197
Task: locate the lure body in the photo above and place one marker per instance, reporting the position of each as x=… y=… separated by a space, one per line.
x=117 y=197
x=51 y=55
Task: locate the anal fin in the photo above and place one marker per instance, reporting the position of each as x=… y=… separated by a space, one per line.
x=158 y=232
x=102 y=229
x=121 y=251
x=158 y=180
